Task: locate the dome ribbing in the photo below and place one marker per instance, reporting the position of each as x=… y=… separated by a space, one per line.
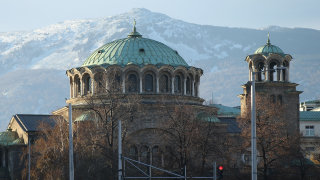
x=135 y=50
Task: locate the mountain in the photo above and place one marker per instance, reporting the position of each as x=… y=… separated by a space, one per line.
x=33 y=63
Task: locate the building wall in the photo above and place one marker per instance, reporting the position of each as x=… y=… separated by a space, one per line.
x=16 y=127
x=290 y=98
x=15 y=164
x=316 y=125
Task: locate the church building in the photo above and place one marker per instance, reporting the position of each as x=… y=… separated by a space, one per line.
x=150 y=68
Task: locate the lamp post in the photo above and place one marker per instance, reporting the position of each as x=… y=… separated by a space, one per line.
x=29 y=157
x=253 y=124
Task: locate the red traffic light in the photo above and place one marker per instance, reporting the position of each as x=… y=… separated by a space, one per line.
x=220 y=168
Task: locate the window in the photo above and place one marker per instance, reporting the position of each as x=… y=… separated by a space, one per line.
x=145 y=155
x=133 y=83
x=89 y=87
x=272 y=99
x=148 y=83
x=115 y=82
x=177 y=84
x=156 y=158
x=279 y=99
x=101 y=84
x=260 y=68
x=133 y=153
x=164 y=83
x=188 y=85
x=309 y=152
x=309 y=130
x=273 y=74
x=79 y=86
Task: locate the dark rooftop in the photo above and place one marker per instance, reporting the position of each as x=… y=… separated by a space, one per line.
x=30 y=122
x=233 y=124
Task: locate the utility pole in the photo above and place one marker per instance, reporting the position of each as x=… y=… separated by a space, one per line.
x=119 y=153
x=71 y=168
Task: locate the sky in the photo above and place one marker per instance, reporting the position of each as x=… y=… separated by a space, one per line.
x=18 y=15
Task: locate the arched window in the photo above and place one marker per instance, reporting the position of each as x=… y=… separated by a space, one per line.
x=148 y=83
x=133 y=153
x=284 y=72
x=195 y=90
x=188 y=85
x=168 y=157
x=88 y=84
x=156 y=158
x=114 y=82
x=261 y=74
x=177 y=84
x=79 y=86
x=101 y=83
x=273 y=75
x=279 y=99
x=145 y=155
x=133 y=86
x=272 y=99
x=164 y=83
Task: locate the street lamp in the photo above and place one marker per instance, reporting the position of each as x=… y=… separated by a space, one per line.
x=29 y=160
x=253 y=124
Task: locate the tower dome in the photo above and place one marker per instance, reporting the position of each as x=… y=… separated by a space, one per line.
x=269 y=49
x=135 y=50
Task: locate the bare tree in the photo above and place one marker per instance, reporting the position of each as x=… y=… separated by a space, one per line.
x=275 y=136
x=193 y=137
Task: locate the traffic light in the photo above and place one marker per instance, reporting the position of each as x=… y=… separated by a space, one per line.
x=220 y=172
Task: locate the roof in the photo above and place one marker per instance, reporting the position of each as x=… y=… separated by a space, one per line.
x=30 y=122
x=309 y=115
x=87 y=116
x=207 y=117
x=226 y=110
x=233 y=124
x=269 y=49
x=311 y=102
x=135 y=50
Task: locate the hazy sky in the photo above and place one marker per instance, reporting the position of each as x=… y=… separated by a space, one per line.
x=16 y=15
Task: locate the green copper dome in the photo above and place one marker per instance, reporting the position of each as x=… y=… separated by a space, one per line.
x=135 y=50
x=269 y=49
x=8 y=137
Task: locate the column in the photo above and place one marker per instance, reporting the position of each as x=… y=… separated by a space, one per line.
x=192 y=84
x=172 y=85
x=81 y=87
x=281 y=74
x=254 y=70
x=74 y=89
x=92 y=87
x=123 y=85
x=184 y=86
x=250 y=72
x=198 y=90
x=107 y=84
x=267 y=72
x=70 y=91
x=140 y=85
x=157 y=84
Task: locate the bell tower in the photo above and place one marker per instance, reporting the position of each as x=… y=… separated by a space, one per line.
x=273 y=83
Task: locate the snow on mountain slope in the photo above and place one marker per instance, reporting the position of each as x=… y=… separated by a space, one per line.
x=27 y=56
